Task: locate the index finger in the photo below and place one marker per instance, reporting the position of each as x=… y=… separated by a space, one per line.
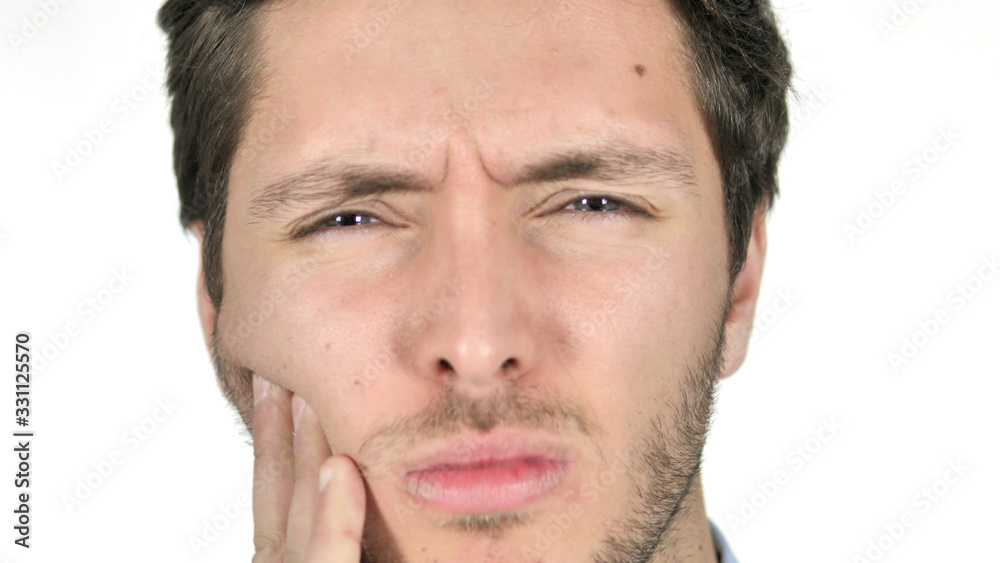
x=273 y=472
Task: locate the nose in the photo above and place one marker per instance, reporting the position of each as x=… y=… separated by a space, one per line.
x=474 y=331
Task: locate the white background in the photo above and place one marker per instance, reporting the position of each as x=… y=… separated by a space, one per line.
x=833 y=306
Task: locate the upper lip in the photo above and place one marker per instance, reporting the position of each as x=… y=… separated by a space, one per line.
x=469 y=450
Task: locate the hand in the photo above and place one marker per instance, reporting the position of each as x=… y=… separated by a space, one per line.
x=308 y=505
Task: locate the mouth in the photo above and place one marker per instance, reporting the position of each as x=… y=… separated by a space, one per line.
x=487 y=473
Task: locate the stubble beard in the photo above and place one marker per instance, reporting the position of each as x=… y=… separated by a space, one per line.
x=664 y=463
x=670 y=462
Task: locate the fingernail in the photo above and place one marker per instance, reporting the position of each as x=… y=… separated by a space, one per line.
x=298 y=407
x=261 y=387
x=325 y=474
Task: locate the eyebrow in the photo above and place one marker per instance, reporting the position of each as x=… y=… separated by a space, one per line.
x=335 y=182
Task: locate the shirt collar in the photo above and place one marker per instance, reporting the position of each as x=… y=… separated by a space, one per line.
x=721 y=547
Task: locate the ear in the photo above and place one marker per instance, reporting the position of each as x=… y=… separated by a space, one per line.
x=206 y=310
x=739 y=322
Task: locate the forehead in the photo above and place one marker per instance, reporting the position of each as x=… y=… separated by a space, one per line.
x=401 y=79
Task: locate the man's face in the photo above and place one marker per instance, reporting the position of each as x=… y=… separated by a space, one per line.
x=476 y=299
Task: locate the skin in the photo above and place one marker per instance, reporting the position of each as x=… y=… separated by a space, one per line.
x=474 y=307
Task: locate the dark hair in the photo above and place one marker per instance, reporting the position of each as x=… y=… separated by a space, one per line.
x=213 y=69
x=736 y=56
x=742 y=75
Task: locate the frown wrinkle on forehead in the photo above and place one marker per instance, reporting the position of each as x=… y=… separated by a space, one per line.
x=335 y=181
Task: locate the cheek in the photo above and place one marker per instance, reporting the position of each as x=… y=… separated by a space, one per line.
x=636 y=324
x=659 y=294
x=313 y=331
x=286 y=319
x=257 y=318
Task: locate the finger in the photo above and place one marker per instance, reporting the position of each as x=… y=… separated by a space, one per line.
x=340 y=518
x=272 y=470
x=311 y=449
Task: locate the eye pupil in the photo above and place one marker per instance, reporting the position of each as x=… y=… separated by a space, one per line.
x=597 y=203
x=348 y=220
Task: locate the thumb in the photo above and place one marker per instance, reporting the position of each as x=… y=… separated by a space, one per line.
x=340 y=518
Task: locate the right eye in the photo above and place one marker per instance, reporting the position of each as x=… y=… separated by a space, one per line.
x=349 y=219
x=341 y=223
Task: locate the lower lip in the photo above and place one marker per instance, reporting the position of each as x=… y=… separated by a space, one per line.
x=488 y=487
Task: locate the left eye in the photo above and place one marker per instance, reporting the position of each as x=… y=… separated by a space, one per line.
x=596 y=203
